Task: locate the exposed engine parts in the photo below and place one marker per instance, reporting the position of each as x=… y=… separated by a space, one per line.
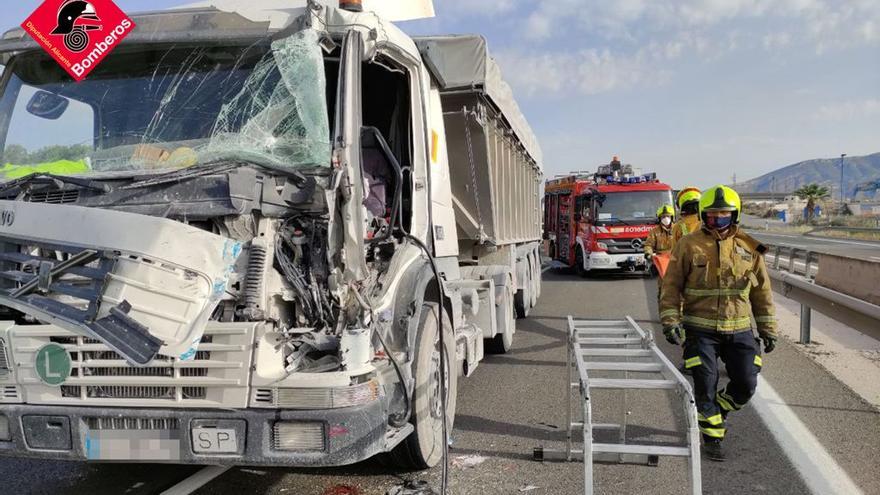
x=301 y=255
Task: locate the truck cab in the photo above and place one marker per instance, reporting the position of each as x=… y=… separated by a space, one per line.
x=238 y=239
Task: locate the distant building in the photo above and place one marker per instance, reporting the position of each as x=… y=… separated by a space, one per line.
x=865 y=209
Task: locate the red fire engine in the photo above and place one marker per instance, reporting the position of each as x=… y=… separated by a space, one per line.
x=600 y=221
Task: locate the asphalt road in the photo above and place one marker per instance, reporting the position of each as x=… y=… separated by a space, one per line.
x=864 y=250
x=514 y=403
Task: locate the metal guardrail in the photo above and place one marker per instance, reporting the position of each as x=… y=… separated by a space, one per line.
x=792 y=271
x=870 y=230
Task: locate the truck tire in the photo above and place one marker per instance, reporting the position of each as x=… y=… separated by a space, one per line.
x=579 y=263
x=539 y=273
x=503 y=340
x=523 y=299
x=536 y=278
x=423 y=449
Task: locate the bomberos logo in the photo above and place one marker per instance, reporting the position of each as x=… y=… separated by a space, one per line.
x=78 y=33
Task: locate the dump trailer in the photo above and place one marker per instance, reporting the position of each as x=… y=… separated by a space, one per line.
x=244 y=236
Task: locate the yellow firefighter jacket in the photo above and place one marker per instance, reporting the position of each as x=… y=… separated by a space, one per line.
x=685 y=225
x=714 y=283
x=659 y=240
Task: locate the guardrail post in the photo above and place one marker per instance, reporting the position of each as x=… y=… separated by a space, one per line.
x=807 y=261
x=778 y=250
x=806 y=317
x=791 y=258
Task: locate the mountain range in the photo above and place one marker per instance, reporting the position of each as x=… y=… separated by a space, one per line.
x=824 y=171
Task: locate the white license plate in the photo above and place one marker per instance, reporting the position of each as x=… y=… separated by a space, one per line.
x=214 y=440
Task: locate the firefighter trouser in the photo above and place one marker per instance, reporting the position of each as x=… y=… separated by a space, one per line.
x=741 y=355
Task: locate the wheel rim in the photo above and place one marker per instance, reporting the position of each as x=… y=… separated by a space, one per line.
x=435 y=404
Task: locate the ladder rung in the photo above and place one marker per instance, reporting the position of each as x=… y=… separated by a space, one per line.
x=617 y=352
x=603 y=331
x=596 y=426
x=622 y=383
x=617 y=448
x=642 y=367
x=610 y=341
x=600 y=323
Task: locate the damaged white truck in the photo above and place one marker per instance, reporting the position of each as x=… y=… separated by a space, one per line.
x=221 y=246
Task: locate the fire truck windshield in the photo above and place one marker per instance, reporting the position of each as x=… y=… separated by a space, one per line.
x=632 y=206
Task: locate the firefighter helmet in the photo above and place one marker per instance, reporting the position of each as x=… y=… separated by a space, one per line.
x=666 y=210
x=688 y=195
x=720 y=198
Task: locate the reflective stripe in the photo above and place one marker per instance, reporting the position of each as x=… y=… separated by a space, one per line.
x=765 y=319
x=713 y=432
x=669 y=312
x=694 y=361
x=759 y=361
x=712 y=420
x=718 y=292
x=724 y=398
x=734 y=324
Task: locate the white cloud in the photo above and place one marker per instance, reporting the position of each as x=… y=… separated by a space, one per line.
x=589 y=71
x=848 y=110
x=538 y=26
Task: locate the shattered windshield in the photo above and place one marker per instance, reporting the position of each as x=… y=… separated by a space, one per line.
x=150 y=107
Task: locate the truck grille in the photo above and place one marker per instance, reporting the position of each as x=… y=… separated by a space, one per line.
x=4 y=360
x=132 y=423
x=216 y=376
x=624 y=246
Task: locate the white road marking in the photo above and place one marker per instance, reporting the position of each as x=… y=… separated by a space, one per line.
x=820 y=471
x=198 y=479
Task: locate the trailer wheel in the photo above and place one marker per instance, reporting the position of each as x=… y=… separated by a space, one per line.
x=423 y=449
x=579 y=263
x=523 y=299
x=539 y=273
x=503 y=340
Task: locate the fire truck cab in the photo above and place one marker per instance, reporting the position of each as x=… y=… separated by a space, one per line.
x=600 y=221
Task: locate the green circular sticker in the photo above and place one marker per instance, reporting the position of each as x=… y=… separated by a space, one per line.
x=52 y=364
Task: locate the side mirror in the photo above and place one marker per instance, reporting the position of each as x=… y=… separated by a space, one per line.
x=47 y=105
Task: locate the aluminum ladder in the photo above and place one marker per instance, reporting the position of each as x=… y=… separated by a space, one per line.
x=622 y=347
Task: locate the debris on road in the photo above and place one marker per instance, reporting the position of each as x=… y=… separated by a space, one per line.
x=418 y=487
x=528 y=488
x=468 y=461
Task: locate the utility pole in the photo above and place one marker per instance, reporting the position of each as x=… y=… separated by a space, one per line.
x=842 y=195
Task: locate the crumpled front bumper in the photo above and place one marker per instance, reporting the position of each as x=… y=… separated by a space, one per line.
x=350 y=435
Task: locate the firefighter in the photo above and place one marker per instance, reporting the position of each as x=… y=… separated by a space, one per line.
x=660 y=239
x=715 y=281
x=689 y=207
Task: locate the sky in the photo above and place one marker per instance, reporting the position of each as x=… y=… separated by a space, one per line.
x=695 y=90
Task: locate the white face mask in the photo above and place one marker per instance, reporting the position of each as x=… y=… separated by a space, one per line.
x=666 y=221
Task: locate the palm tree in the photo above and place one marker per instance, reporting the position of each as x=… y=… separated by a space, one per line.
x=812 y=193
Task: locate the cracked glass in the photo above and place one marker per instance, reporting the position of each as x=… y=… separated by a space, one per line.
x=151 y=108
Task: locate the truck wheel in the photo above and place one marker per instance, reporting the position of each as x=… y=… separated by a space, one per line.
x=535 y=281
x=423 y=449
x=539 y=273
x=523 y=299
x=579 y=263
x=503 y=340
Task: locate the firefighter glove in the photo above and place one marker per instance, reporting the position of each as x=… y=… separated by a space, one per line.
x=674 y=334
x=769 y=343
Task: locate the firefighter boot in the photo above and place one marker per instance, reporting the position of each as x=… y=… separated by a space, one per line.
x=713 y=450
